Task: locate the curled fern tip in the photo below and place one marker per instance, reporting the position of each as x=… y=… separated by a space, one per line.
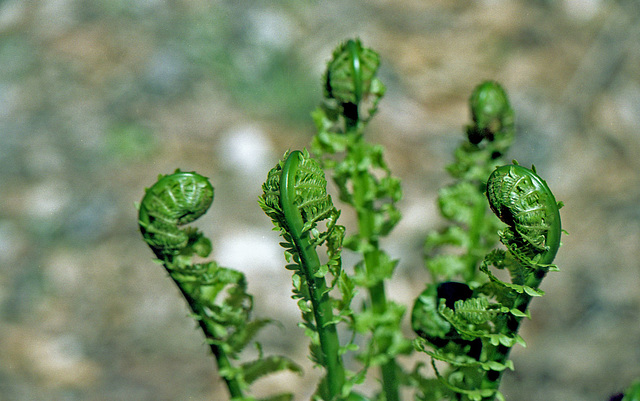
x=523 y=201
x=174 y=200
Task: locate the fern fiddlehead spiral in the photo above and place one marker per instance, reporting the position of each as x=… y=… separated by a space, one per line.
x=492 y=117
x=522 y=200
x=296 y=199
x=174 y=200
x=216 y=295
x=351 y=79
x=478 y=326
x=351 y=72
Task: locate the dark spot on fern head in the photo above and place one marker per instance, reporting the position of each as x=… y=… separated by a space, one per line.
x=453 y=291
x=350 y=110
x=476 y=135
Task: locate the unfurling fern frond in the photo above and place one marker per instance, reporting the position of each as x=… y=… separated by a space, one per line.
x=493 y=120
x=174 y=200
x=216 y=295
x=351 y=93
x=295 y=197
x=522 y=200
x=351 y=73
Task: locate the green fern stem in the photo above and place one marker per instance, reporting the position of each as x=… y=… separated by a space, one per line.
x=475 y=237
x=174 y=200
x=222 y=358
x=509 y=326
x=378 y=298
x=371 y=255
x=310 y=263
x=351 y=110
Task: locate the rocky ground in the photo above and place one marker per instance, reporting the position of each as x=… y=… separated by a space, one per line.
x=97 y=97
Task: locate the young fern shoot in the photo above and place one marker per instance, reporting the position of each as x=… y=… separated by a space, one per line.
x=364 y=180
x=296 y=199
x=523 y=201
x=216 y=295
x=473 y=325
x=173 y=201
x=463 y=204
x=467 y=319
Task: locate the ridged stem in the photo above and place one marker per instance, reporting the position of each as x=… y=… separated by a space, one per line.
x=510 y=326
x=371 y=255
x=222 y=359
x=475 y=231
x=310 y=263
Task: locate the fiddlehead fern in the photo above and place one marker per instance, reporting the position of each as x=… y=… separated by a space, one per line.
x=484 y=332
x=366 y=184
x=523 y=201
x=176 y=199
x=472 y=227
x=217 y=295
x=489 y=136
x=475 y=332
x=351 y=79
x=492 y=118
x=296 y=199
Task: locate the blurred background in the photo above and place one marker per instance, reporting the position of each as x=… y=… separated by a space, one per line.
x=98 y=97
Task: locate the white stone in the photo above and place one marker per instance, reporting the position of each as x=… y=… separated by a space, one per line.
x=246 y=149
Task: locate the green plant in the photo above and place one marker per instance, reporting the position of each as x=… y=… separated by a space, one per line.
x=365 y=183
x=216 y=295
x=480 y=321
x=466 y=318
x=296 y=199
x=472 y=325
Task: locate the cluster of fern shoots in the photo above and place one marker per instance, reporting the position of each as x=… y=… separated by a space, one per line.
x=465 y=321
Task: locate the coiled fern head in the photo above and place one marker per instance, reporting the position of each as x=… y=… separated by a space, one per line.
x=493 y=118
x=295 y=194
x=522 y=200
x=174 y=200
x=351 y=72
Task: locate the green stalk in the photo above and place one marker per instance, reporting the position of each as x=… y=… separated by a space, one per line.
x=377 y=293
x=510 y=326
x=475 y=229
x=350 y=110
x=310 y=263
x=222 y=359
